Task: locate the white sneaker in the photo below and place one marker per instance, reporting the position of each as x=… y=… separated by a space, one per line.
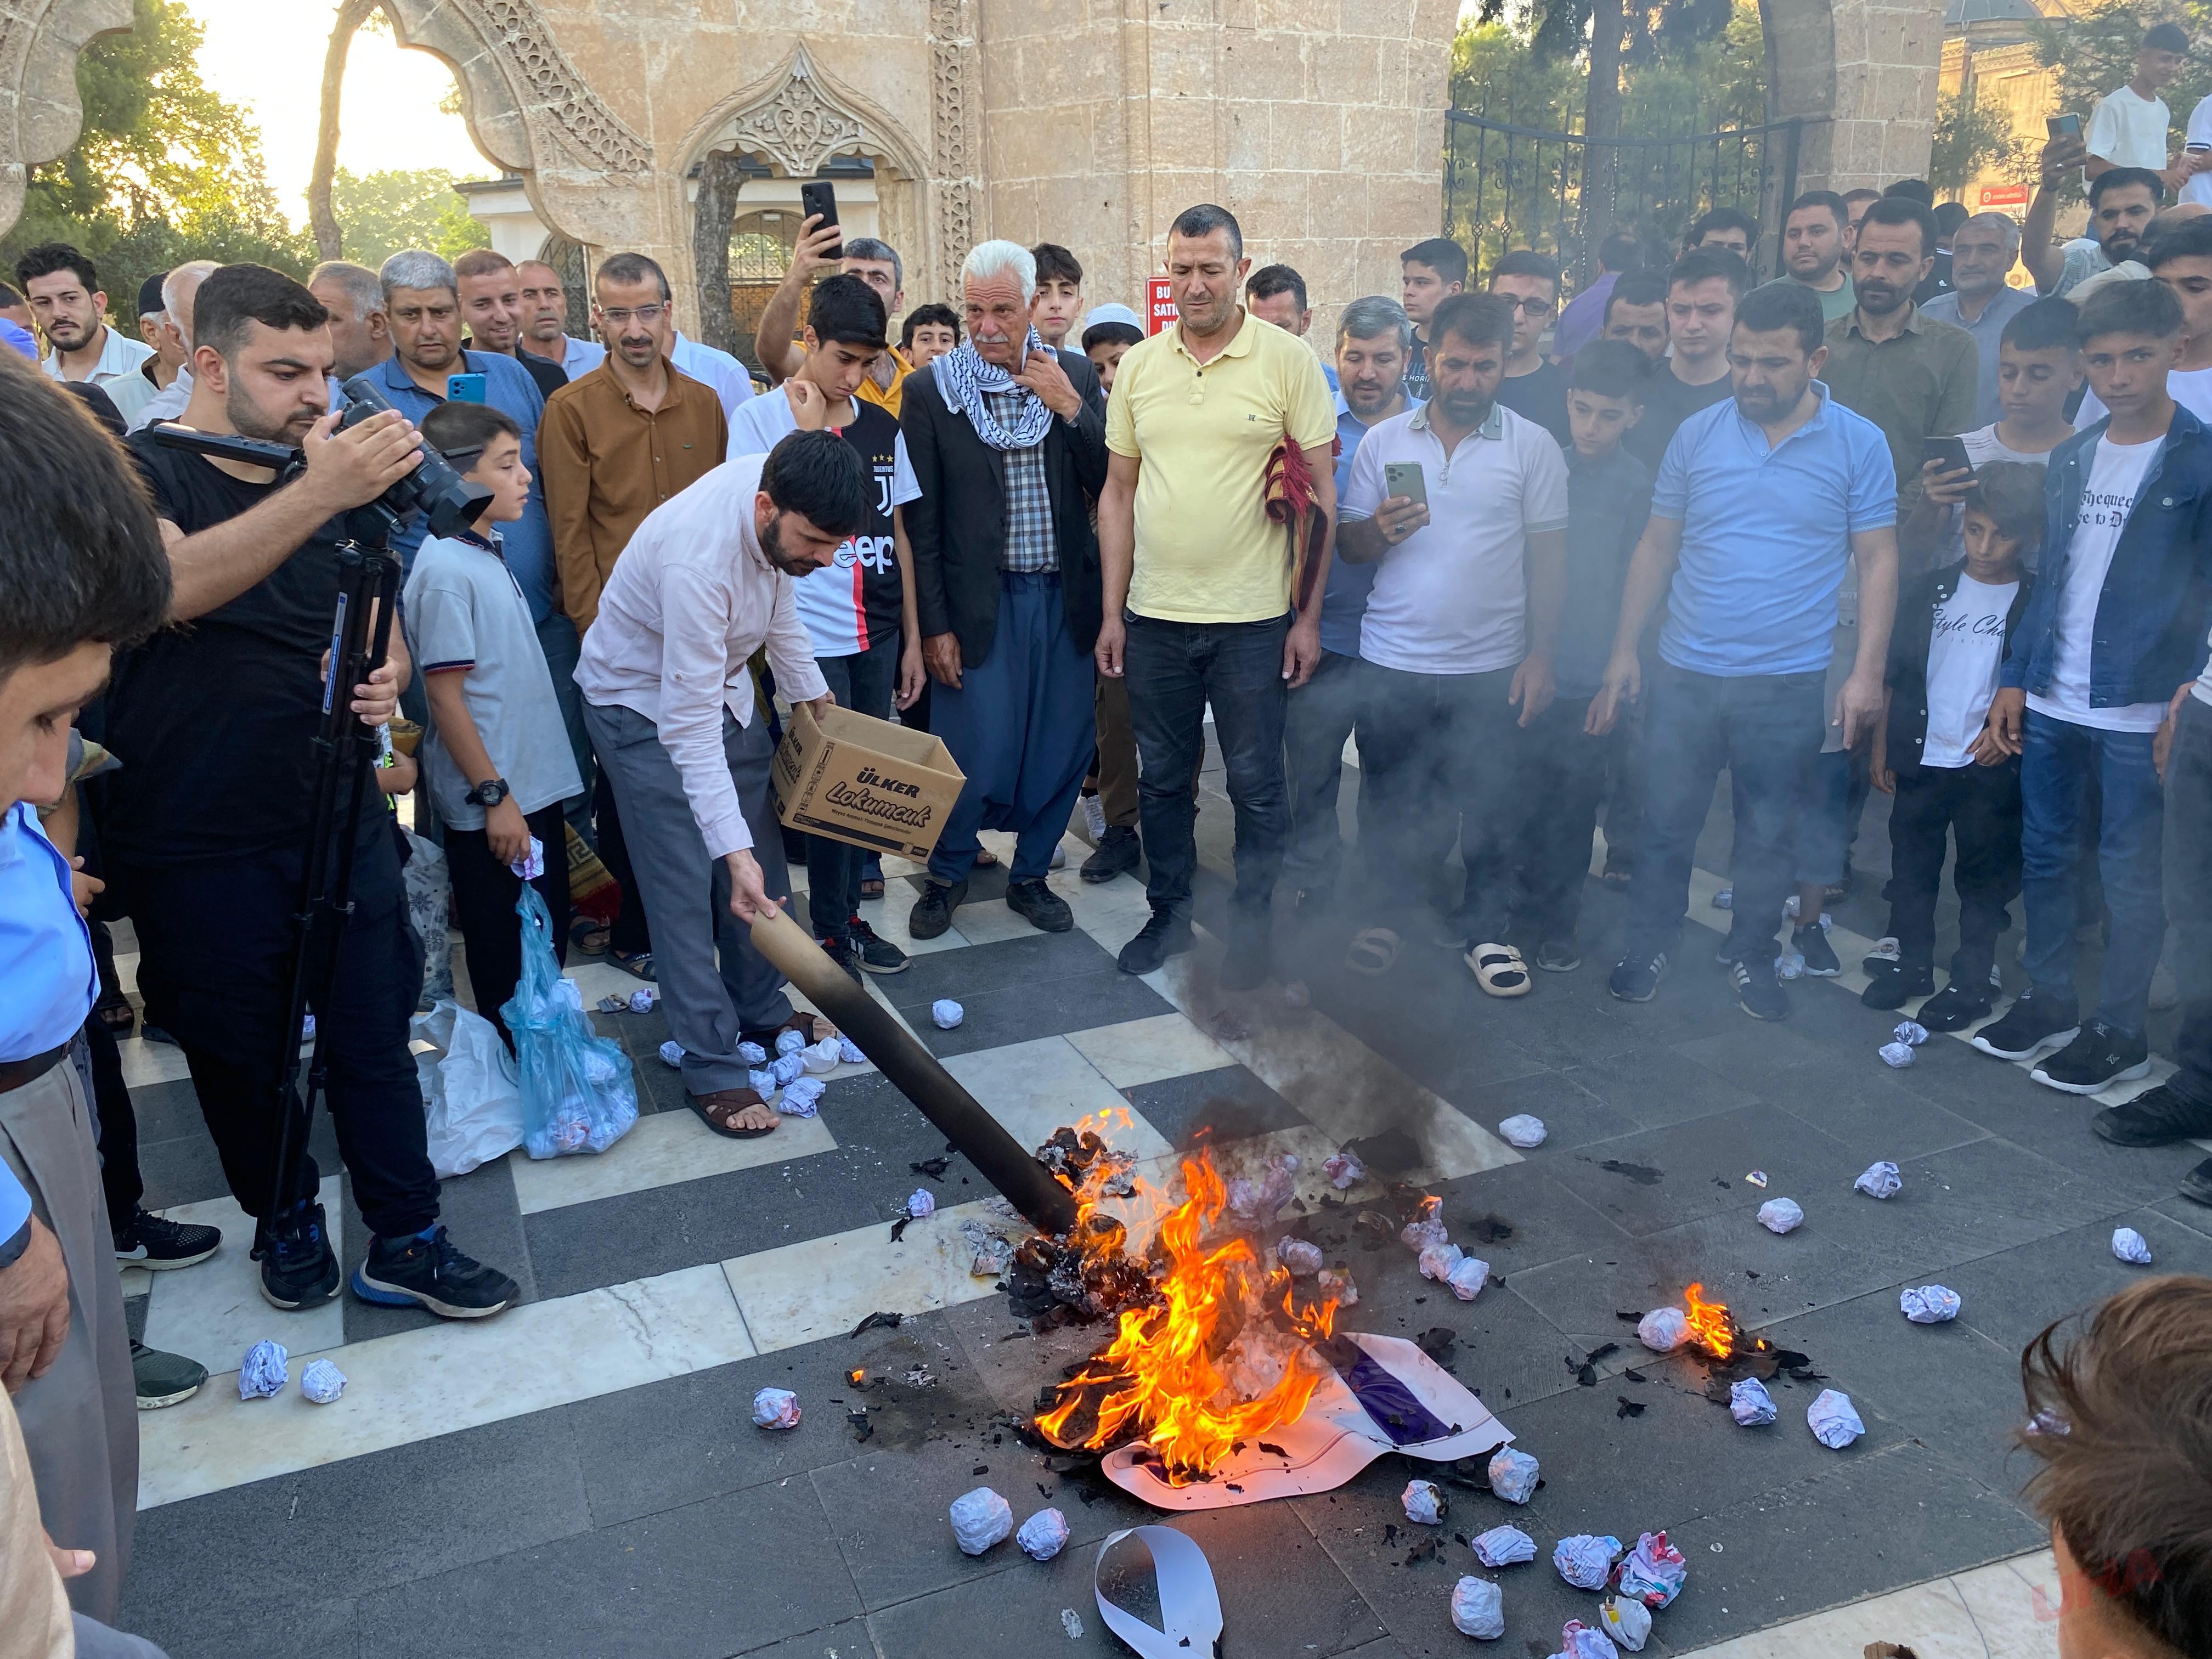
x=1094 y=817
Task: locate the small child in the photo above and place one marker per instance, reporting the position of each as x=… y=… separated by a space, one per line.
x=1563 y=768
x=1109 y=332
x=496 y=761
x=1947 y=773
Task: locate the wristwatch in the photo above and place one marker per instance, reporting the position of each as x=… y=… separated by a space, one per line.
x=490 y=792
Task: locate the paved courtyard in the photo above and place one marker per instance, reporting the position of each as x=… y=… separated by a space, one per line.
x=580 y=1477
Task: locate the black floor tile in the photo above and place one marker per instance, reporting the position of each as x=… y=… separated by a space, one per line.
x=1019 y=1013
x=1659 y=1086
x=1661 y=1178
x=1865 y=1109
x=1230 y=1102
x=1572 y=1116
x=479 y=1213
x=1006 y=965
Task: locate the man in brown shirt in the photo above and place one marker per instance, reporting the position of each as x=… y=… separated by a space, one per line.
x=615 y=444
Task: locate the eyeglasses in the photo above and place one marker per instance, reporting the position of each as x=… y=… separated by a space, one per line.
x=1533 y=307
x=646 y=314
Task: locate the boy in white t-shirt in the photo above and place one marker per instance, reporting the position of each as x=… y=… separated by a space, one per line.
x=1933 y=754
x=496 y=761
x=2128 y=129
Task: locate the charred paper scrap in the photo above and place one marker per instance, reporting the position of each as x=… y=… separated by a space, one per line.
x=1082 y=1158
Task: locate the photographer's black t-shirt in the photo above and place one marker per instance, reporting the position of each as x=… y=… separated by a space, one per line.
x=214 y=720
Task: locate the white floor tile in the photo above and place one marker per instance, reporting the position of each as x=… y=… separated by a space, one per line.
x=1990 y=1613
x=659 y=1151
x=1146 y=1050
x=145 y=1063
x=139 y=1281
x=215 y=1312
x=888 y=916
x=1035 y=1087
x=825 y=1286
x=422 y=1383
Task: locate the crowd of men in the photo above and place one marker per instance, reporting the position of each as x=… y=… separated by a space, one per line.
x=1884 y=522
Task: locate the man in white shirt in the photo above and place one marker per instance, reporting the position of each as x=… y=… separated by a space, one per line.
x=179 y=289
x=545 y=322
x=2128 y=128
x=668 y=697
x=63 y=291
x=731 y=381
x=1461 y=624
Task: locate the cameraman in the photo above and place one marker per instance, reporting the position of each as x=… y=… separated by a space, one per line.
x=214 y=724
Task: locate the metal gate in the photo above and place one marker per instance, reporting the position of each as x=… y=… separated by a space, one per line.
x=1508 y=186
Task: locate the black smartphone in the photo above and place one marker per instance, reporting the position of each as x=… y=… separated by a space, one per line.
x=2063 y=126
x=1952 y=452
x=818 y=197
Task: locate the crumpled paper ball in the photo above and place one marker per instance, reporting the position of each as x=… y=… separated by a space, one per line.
x=1750 y=1404
x=1334 y=1282
x=775 y=1408
x=821 y=1057
x=752 y=1053
x=1834 y=1424
x=849 y=1051
x=1043 y=1535
x=2129 y=1245
x=1896 y=1055
x=787 y=1068
x=1478 y=1608
x=263 y=1371
x=1781 y=1215
x=641 y=1001
x=1425 y=1503
x=1909 y=1032
x=1300 y=1258
x=1578 y=1641
x=672 y=1052
x=947 y=1013
x=1513 y=1474
x=1259 y=1200
x=1585 y=1561
x=1790 y=964
x=1437 y=1260
x=1467 y=1277
x=1626 y=1620
x=1522 y=1130
x=1662 y=1330
x=1929 y=1304
x=1880 y=1181
x=322 y=1381
x=1654 y=1571
x=802 y=1096
x=1421 y=1235
x=789 y=1041
x=1344 y=1170
x=1501 y=1547
x=924 y=1202
x=979 y=1519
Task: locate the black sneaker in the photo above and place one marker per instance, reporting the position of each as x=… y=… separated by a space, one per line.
x=164 y=1379
x=298 y=1266
x=2156 y=1117
x=875 y=953
x=933 y=911
x=1119 y=850
x=1635 y=977
x=1164 y=935
x=839 y=952
x=425 y=1268
x=154 y=1033
x=1250 y=959
x=1812 y=944
x=2028 y=1031
x=1758 y=993
x=1036 y=903
x=1891 y=985
x=2096 y=1060
x=153 y=1240
x=2197 y=1185
x=1956 y=1006
x=1558 y=955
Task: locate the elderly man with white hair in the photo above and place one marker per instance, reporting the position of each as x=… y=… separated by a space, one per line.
x=1007 y=438
x=1984 y=251
x=178 y=289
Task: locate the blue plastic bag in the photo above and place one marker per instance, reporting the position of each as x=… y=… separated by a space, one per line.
x=578 y=1094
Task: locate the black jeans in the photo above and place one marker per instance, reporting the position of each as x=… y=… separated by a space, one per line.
x=1317 y=718
x=1175 y=671
x=2189 y=894
x=1980 y=805
x=1560 y=782
x=214 y=943
x=484 y=892
x=864 y=682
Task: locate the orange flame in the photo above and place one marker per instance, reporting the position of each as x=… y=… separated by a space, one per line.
x=1179 y=1372
x=1711 y=1326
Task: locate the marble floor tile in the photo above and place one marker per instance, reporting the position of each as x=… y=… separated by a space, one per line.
x=826 y=1286
x=215 y=1312
x=1138 y=1051
x=1990 y=1613
x=1035 y=1087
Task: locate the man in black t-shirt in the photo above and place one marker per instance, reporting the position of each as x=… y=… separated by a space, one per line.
x=1702 y=290
x=208 y=822
x=1535 y=387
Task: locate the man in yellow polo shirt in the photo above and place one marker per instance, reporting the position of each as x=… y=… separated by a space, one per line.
x=1198 y=602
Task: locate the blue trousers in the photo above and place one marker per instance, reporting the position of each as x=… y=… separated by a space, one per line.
x=865 y=683
x=2058 y=761
x=1021 y=724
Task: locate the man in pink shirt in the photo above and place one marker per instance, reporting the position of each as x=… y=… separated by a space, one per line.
x=705 y=582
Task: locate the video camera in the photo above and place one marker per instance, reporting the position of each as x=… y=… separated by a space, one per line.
x=449 y=501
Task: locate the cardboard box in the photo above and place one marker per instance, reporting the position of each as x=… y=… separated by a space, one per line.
x=865 y=782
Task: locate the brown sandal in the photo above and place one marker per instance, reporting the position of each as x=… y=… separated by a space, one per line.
x=811 y=1027
x=720 y=1112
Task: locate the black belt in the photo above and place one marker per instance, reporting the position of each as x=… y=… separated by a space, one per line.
x=21 y=1073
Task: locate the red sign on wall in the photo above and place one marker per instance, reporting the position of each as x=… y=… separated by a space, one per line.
x=1159 y=305
x=2004 y=196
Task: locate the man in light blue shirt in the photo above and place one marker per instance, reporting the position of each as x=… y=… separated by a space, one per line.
x=1983 y=253
x=1373 y=339
x=1762 y=502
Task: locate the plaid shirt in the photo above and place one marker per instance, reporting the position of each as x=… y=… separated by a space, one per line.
x=1030 y=544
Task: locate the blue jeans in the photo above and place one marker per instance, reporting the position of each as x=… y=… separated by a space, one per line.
x=2058 y=760
x=1173 y=671
x=2189 y=891
x=1766 y=729
x=864 y=682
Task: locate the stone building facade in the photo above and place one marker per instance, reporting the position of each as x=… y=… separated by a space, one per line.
x=1319 y=123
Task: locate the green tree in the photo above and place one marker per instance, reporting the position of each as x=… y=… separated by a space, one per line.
x=163 y=170
x=1973 y=136
x=384 y=212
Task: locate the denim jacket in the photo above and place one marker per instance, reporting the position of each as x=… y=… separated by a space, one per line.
x=2149 y=635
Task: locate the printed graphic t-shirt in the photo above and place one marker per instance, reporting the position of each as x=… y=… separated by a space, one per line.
x=1963 y=652
x=2116 y=476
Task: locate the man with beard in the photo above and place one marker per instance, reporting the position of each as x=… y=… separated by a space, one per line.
x=1760 y=505
x=1813 y=247
x=2121 y=202
x=705 y=583
x=361 y=334
x=1461 y=628
x=490 y=292
x=1984 y=251
x=1373 y=337
x=1636 y=311
x=63 y=290
x=209 y=817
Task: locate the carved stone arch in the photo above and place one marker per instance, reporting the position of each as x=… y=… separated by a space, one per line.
x=41 y=115
x=797 y=116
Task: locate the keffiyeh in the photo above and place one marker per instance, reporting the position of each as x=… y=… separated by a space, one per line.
x=963 y=378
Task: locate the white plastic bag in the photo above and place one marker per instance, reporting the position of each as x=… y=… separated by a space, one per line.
x=471 y=1096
